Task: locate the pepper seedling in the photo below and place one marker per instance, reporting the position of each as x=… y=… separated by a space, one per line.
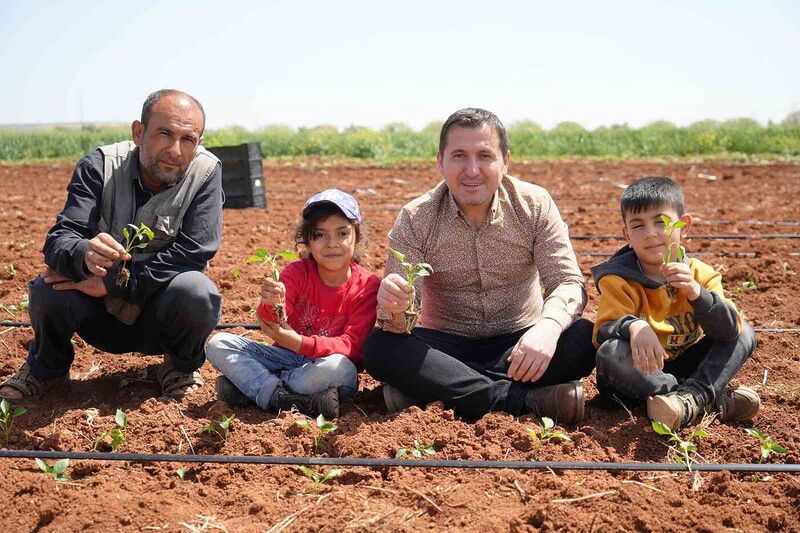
x=220 y=427
x=117 y=435
x=15 y=309
x=57 y=471
x=138 y=240
x=318 y=430
x=262 y=257
x=671 y=226
x=319 y=479
x=9 y=413
x=545 y=434
x=686 y=449
x=412 y=271
x=415 y=452
x=768 y=446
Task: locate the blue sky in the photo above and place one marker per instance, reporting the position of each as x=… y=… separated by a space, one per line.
x=347 y=62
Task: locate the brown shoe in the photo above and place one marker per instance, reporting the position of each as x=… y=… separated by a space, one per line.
x=29 y=386
x=563 y=403
x=737 y=404
x=674 y=409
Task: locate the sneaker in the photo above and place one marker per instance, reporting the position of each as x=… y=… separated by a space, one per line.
x=395 y=399
x=230 y=393
x=325 y=403
x=674 y=409
x=563 y=403
x=737 y=404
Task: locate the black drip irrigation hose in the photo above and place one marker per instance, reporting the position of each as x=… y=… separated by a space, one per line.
x=397 y=463
x=244 y=325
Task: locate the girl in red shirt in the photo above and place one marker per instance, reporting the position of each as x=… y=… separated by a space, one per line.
x=330 y=303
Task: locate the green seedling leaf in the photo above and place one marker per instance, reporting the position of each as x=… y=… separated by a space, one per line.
x=400 y=257
x=661 y=429
x=220 y=427
x=8 y=413
x=121 y=419
x=237 y=273
x=768 y=446
x=181 y=473
x=305 y=424
x=318 y=429
x=57 y=471
x=126 y=234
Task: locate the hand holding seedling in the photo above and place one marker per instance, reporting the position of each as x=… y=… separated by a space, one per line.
x=272 y=292
x=532 y=354
x=395 y=294
x=101 y=253
x=679 y=277
x=646 y=350
x=261 y=256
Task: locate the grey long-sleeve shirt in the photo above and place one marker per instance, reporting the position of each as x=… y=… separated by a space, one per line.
x=196 y=243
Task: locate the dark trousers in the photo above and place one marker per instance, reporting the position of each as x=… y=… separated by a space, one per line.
x=704 y=370
x=470 y=375
x=176 y=322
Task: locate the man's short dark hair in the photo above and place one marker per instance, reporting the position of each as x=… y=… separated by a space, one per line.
x=472 y=117
x=651 y=191
x=151 y=100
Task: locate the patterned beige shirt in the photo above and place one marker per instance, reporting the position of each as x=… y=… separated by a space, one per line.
x=515 y=269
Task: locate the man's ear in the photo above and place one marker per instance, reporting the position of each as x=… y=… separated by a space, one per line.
x=440 y=162
x=137 y=132
x=506 y=159
x=687 y=219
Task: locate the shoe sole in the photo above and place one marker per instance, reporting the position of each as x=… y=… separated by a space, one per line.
x=660 y=410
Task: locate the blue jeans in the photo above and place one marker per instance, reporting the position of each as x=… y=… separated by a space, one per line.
x=256 y=369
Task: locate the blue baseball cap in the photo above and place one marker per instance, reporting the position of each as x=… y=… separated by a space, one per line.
x=345 y=202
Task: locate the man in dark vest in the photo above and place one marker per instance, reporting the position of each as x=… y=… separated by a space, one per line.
x=166 y=180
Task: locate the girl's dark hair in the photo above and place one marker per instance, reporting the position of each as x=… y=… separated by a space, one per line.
x=651 y=191
x=304 y=233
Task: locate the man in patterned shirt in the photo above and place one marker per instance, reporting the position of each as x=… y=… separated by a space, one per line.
x=500 y=315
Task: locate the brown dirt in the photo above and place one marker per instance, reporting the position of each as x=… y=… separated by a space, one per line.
x=745 y=198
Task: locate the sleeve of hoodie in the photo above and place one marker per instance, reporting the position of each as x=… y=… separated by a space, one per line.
x=618 y=307
x=717 y=315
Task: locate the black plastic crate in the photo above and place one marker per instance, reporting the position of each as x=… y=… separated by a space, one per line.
x=242 y=175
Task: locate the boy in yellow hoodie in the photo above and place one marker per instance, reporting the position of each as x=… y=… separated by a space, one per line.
x=679 y=351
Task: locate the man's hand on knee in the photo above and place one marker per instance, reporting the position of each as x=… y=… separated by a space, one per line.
x=533 y=352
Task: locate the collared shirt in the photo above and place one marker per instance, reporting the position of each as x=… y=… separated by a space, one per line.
x=196 y=243
x=515 y=269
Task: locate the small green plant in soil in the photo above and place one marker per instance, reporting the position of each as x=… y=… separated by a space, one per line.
x=413 y=271
x=116 y=437
x=671 y=226
x=545 y=434
x=262 y=257
x=9 y=413
x=748 y=285
x=58 y=471
x=11 y=271
x=318 y=429
x=768 y=446
x=136 y=240
x=220 y=427
x=181 y=473
x=684 y=451
x=318 y=478
x=15 y=309
x=416 y=452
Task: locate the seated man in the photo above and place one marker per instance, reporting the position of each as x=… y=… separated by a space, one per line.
x=167 y=181
x=500 y=313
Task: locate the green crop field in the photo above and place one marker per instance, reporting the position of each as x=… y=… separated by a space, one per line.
x=397 y=141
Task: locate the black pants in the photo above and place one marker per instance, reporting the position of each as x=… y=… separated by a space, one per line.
x=704 y=370
x=470 y=375
x=176 y=322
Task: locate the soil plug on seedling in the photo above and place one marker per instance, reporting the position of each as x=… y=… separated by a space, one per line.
x=57 y=471
x=319 y=479
x=768 y=446
x=415 y=452
x=261 y=256
x=545 y=434
x=413 y=270
x=8 y=413
x=322 y=427
x=116 y=435
x=138 y=240
x=220 y=427
x=671 y=226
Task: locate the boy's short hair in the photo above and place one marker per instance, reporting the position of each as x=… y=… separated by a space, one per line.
x=651 y=191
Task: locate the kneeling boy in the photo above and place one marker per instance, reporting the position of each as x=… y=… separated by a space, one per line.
x=677 y=348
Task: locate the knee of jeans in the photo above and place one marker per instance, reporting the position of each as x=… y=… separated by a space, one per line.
x=340 y=370
x=43 y=299
x=217 y=348
x=193 y=290
x=611 y=355
x=747 y=337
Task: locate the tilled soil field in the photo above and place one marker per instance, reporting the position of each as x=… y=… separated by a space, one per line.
x=754 y=206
